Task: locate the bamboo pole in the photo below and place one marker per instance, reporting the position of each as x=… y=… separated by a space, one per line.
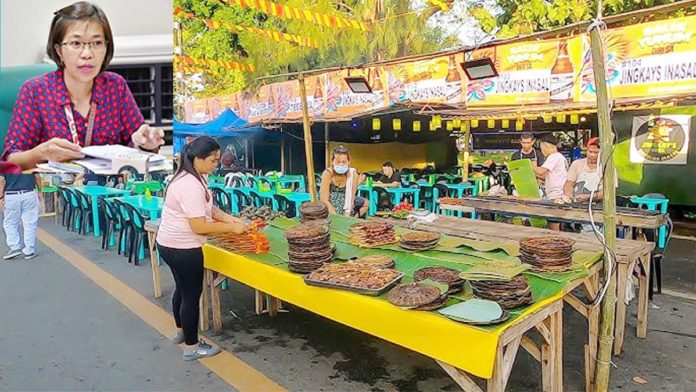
x=606 y=328
x=307 y=139
x=466 y=125
x=282 y=154
x=326 y=144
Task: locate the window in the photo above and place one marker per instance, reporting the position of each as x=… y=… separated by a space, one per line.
x=152 y=86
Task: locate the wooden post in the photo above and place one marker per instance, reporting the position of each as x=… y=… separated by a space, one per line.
x=246 y=153
x=327 y=153
x=307 y=139
x=282 y=154
x=606 y=328
x=466 y=126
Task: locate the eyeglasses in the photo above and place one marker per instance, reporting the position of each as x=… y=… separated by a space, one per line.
x=79 y=46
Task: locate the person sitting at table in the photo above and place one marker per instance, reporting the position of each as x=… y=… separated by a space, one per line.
x=188 y=216
x=79 y=104
x=390 y=178
x=339 y=186
x=585 y=176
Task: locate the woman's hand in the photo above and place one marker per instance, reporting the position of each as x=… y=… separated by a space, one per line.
x=59 y=150
x=148 y=138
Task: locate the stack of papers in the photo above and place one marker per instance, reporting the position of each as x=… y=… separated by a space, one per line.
x=108 y=160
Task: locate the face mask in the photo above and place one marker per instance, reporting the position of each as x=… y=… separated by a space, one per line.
x=340 y=169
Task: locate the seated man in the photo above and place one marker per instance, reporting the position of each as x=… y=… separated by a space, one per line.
x=390 y=178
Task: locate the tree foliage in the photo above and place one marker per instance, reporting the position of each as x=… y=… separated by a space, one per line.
x=396 y=28
x=510 y=18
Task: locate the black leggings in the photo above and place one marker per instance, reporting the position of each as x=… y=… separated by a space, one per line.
x=187 y=268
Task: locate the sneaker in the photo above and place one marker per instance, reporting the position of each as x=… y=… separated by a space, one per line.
x=178 y=337
x=204 y=350
x=12 y=254
x=30 y=256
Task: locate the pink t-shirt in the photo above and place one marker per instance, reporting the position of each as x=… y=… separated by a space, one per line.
x=185 y=199
x=556 y=176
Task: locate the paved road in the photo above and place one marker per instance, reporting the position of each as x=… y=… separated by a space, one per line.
x=76 y=331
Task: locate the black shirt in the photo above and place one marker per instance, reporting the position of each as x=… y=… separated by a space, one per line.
x=19 y=182
x=395 y=177
x=534 y=155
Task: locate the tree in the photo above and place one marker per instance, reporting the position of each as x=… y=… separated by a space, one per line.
x=520 y=17
x=396 y=28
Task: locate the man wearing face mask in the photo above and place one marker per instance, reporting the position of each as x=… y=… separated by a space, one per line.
x=339 y=185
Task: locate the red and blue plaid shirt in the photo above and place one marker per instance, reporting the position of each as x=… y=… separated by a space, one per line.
x=39 y=115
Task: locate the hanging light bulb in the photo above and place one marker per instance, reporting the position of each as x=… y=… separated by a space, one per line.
x=396 y=124
x=376 y=124
x=416 y=126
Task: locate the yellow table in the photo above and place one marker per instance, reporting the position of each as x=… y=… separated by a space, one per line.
x=461 y=350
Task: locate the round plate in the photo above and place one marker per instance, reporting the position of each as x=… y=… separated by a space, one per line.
x=503 y=318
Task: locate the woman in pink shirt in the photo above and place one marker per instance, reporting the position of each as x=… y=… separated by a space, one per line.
x=187 y=217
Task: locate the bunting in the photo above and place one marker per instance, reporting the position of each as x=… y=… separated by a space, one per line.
x=290 y=12
x=274 y=35
x=444 y=6
x=233 y=65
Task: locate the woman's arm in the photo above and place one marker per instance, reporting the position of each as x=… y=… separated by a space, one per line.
x=201 y=226
x=56 y=149
x=221 y=216
x=324 y=191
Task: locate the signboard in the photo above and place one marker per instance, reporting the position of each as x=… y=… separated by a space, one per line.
x=645 y=60
x=529 y=73
x=340 y=101
x=660 y=139
x=496 y=141
x=435 y=80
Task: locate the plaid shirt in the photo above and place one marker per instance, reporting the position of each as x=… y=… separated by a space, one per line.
x=39 y=115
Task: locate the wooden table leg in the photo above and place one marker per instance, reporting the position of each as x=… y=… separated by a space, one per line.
x=215 y=301
x=557 y=332
x=623 y=270
x=205 y=301
x=156 y=283
x=643 y=294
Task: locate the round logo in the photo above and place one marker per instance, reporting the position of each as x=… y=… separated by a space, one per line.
x=660 y=139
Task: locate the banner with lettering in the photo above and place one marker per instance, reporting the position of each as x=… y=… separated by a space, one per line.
x=526 y=71
x=437 y=80
x=645 y=60
x=340 y=101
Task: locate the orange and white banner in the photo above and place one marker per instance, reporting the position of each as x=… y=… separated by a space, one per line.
x=274 y=35
x=290 y=12
x=217 y=63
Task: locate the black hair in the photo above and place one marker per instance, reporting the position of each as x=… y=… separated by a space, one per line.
x=340 y=150
x=388 y=164
x=526 y=135
x=202 y=147
x=549 y=138
x=76 y=12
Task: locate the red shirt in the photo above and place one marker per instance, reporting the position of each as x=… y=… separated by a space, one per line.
x=39 y=114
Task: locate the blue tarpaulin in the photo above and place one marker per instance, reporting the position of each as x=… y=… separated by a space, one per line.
x=227 y=124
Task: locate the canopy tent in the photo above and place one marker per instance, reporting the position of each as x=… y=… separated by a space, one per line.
x=226 y=125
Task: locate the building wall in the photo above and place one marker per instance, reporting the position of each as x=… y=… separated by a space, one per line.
x=24 y=24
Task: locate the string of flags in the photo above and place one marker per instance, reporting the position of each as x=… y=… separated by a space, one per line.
x=227 y=64
x=290 y=12
x=275 y=35
x=444 y=6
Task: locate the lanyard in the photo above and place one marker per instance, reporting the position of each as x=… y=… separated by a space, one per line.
x=73 y=127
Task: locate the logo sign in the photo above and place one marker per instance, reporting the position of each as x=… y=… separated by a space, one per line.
x=660 y=139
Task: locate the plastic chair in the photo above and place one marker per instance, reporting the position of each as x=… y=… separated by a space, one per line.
x=259 y=201
x=75 y=212
x=285 y=205
x=111 y=223
x=653 y=202
x=138 y=235
x=382 y=194
x=252 y=183
x=64 y=200
x=241 y=199
x=442 y=191
x=86 y=207
x=222 y=200
x=124 y=222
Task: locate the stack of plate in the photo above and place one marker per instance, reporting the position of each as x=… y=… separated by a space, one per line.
x=509 y=294
x=378 y=261
x=314 y=211
x=309 y=247
x=443 y=275
x=371 y=234
x=417 y=295
x=420 y=240
x=547 y=254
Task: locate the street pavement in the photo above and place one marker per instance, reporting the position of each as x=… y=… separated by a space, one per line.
x=60 y=331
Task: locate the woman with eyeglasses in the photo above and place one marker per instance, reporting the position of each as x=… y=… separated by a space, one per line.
x=79 y=104
x=339 y=185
